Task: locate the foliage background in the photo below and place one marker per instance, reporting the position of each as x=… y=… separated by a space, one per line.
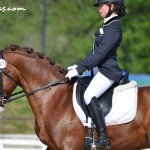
x=69 y=30
x=69 y=36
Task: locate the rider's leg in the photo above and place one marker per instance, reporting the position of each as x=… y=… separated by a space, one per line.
x=96 y=88
x=99 y=120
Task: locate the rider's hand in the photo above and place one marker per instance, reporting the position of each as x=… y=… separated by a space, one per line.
x=1 y=109
x=72 y=67
x=72 y=73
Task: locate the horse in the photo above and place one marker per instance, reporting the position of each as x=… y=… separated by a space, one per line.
x=56 y=123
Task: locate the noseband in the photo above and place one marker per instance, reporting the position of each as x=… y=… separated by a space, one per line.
x=5 y=98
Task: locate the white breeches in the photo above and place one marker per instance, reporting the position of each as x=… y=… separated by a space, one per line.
x=97 y=86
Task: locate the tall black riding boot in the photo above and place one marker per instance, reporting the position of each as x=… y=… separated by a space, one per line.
x=99 y=120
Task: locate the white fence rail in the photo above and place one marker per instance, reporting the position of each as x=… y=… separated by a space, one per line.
x=20 y=142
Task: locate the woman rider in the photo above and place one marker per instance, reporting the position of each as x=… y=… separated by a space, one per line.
x=103 y=61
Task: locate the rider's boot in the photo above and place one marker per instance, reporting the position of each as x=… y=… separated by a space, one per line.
x=99 y=120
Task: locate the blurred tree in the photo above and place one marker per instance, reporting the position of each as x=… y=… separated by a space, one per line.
x=135 y=46
x=69 y=30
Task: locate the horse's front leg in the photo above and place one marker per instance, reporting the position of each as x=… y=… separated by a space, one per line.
x=41 y=133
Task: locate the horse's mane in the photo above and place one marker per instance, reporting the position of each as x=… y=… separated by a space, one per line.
x=29 y=50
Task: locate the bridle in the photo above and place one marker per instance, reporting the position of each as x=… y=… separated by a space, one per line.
x=5 y=98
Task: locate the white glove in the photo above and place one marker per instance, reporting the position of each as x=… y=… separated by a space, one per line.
x=1 y=109
x=72 y=73
x=72 y=67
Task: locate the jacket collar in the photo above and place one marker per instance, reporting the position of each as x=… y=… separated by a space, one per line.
x=110 y=19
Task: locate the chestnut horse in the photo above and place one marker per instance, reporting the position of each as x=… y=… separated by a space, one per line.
x=56 y=123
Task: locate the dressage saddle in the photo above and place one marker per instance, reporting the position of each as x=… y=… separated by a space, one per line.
x=105 y=100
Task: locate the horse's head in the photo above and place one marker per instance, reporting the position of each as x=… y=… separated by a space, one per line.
x=9 y=79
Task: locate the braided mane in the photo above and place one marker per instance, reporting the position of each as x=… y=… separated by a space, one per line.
x=29 y=50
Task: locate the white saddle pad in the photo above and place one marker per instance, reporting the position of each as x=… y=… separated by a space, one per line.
x=124 y=105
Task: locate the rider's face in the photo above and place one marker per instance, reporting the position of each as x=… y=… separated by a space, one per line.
x=103 y=9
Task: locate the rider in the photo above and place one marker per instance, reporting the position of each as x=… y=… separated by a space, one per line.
x=103 y=61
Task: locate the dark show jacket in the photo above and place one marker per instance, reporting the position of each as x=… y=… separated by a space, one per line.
x=104 y=54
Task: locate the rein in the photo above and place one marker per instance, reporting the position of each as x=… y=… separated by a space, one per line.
x=9 y=99
x=34 y=91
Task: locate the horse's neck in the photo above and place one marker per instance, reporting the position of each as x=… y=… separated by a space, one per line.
x=38 y=76
x=35 y=73
x=50 y=103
